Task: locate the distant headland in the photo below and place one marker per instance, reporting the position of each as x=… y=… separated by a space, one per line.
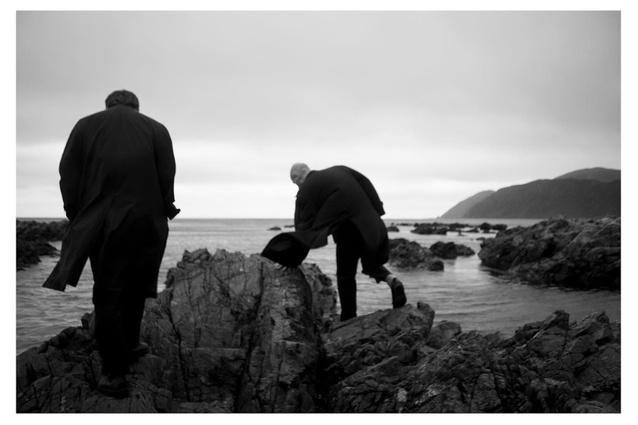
x=586 y=193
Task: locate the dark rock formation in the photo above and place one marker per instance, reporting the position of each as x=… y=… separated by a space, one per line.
x=450 y=250
x=392 y=229
x=36 y=230
x=232 y=333
x=546 y=367
x=32 y=239
x=575 y=253
x=405 y=254
x=430 y=229
x=237 y=333
x=229 y=333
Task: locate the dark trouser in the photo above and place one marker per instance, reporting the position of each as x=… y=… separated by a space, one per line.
x=350 y=248
x=119 y=304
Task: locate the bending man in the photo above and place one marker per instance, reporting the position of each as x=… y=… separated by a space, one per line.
x=343 y=202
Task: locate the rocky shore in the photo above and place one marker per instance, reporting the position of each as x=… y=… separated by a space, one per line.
x=232 y=333
x=575 y=253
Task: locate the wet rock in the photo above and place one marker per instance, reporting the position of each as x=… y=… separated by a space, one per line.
x=430 y=229
x=575 y=253
x=450 y=250
x=406 y=254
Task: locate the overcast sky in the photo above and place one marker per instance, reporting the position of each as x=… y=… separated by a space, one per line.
x=433 y=107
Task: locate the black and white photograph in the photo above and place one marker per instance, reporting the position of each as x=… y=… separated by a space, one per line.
x=393 y=207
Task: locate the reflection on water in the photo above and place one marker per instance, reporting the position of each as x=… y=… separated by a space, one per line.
x=465 y=292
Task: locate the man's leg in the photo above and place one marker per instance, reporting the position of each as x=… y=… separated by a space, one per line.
x=381 y=274
x=375 y=269
x=346 y=281
x=349 y=248
x=108 y=300
x=132 y=319
x=109 y=331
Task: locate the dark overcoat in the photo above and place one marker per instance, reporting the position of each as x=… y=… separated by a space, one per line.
x=116 y=178
x=326 y=200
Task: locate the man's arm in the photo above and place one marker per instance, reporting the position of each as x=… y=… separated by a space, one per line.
x=369 y=190
x=71 y=172
x=304 y=215
x=165 y=164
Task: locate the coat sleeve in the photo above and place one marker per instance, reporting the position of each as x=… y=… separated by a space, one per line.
x=71 y=169
x=305 y=214
x=165 y=164
x=369 y=190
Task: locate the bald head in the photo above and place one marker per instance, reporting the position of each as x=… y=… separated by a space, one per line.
x=298 y=173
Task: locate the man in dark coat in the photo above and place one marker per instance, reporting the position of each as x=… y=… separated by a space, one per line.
x=116 y=178
x=343 y=202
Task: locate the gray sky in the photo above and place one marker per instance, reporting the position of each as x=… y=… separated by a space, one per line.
x=433 y=107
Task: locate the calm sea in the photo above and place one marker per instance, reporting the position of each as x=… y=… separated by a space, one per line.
x=465 y=292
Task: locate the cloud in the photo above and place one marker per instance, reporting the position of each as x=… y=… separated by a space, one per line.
x=429 y=105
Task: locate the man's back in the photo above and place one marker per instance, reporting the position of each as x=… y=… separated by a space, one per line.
x=120 y=155
x=341 y=188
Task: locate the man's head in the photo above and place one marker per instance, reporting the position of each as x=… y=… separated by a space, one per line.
x=122 y=97
x=298 y=173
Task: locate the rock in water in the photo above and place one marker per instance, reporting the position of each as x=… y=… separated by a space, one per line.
x=406 y=255
x=575 y=253
x=32 y=240
x=450 y=250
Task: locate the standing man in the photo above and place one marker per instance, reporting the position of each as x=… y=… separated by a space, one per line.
x=116 y=178
x=342 y=202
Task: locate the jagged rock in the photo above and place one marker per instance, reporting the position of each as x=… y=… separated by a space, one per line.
x=406 y=254
x=232 y=333
x=394 y=229
x=28 y=252
x=563 y=252
x=450 y=250
x=237 y=333
x=547 y=367
x=32 y=239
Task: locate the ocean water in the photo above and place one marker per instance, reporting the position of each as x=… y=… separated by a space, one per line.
x=465 y=292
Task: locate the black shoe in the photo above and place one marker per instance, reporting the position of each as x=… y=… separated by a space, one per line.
x=135 y=353
x=398 y=293
x=347 y=316
x=113 y=386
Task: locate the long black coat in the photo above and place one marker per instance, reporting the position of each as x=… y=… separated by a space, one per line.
x=326 y=200
x=116 y=178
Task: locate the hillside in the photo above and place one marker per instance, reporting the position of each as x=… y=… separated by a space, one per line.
x=550 y=198
x=460 y=209
x=592 y=192
x=599 y=174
